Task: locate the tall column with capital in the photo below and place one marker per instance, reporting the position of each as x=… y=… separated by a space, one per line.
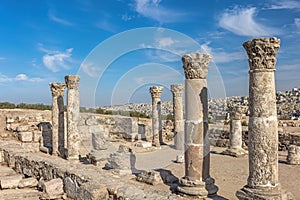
x=263 y=128
x=236 y=133
x=73 y=139
x=58 y=90
x=155 y=92
x=177 y=90
x=197 y=180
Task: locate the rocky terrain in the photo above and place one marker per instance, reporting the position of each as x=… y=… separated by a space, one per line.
x=288 y=105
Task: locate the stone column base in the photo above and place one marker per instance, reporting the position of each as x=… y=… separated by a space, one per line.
x=210 y=186
x=193 y=188
x=235 y=152
x=263 y=193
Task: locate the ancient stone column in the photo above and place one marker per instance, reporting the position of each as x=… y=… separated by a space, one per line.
x=293 y=157
x=197 y=180
x=178 y=116
x=236 y=134
x=156 y=115
x=58 y=90
x=73 y=139
x=262 y=181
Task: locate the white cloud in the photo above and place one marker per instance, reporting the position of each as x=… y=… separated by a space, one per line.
x=55 y=60
x=285 y=5
x=90 y=69
x=165 y=42
x=59 y=20
x=153 y=10
x=220 y=56
x=2 y=58
x=126 y=17
x=19 y=77
x=241 y=22
x=297 y=22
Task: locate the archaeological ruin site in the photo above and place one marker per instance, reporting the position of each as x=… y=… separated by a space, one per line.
x=252 y=154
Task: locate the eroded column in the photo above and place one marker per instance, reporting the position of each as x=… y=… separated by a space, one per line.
x=58 y=90
x=263 y=134
x=178 y=116
x=156 y=115
x=73 y=139
x=293 y=157
x=197 y=180
x=236 y=133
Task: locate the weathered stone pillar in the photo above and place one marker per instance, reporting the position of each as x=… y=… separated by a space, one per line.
x=236 y=133
x=73 y=139
x=58 y=90
x=293 y=157
x=263 y=134
x=197 y=180
x=156 y=115
x=178 y=116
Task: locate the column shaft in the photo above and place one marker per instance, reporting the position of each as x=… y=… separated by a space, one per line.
x=156 y=115
x=57 y=90
x=73 y=139
x=178 y=116
x=263 y=128
x=197 y=180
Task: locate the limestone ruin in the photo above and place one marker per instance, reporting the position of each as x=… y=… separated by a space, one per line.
x=197 y=180
x=72 y=155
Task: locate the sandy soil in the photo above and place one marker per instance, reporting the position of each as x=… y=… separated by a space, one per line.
x=230 y=173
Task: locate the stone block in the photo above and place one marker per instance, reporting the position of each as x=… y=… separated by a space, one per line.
x=151 y=177
x=36 y=135
x=25 y=136
x=53 y=189
x=22 y=128
x=144 y=144
x=28 y=182
x=10 y=182
x=32 y=146
x=179 y=158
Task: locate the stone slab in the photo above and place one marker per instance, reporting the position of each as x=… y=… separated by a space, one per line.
x=25 y=136
x=10 y=182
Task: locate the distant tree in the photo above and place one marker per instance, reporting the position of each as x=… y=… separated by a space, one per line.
x=7 y=105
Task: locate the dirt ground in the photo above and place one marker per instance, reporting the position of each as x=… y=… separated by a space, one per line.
x=230 y=173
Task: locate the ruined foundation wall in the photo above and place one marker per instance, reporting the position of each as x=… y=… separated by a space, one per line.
x=16 y=120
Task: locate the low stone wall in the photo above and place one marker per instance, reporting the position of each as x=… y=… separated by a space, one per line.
x=113 y=126
x=81 y=181
x=21 y=120
x=219 y=136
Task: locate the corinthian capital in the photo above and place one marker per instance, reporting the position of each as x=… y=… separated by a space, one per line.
x=72 y=81
x=195 y=65
x=156 y=91
x=57 y=89
x=262 y=53
x=177 y=89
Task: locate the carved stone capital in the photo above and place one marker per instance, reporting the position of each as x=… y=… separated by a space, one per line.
x=235 y=112
x=262 y=53
x=72 y=81
x=177 y=89
x=57 y=89
x=156 y=91
x=195 y=65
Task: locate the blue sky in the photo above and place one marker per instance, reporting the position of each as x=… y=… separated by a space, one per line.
x=110 y=45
